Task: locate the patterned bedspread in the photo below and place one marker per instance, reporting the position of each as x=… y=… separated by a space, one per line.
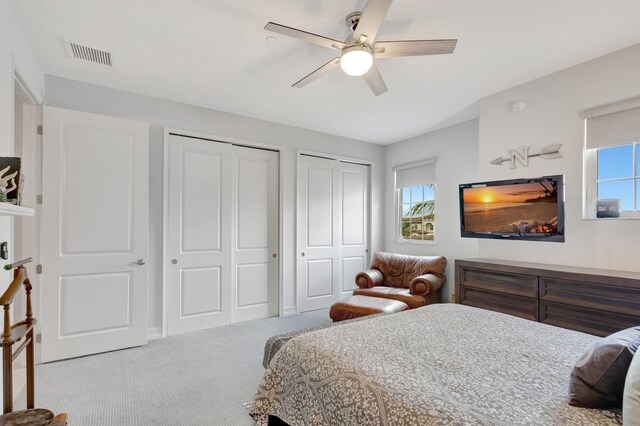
x=276 y=342
x=442 y=364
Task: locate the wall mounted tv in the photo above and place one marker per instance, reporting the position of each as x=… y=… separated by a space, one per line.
x=519 y=209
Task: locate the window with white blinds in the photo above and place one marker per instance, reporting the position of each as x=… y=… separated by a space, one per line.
x=612 y=156
x=613 y=124
x=415 y=196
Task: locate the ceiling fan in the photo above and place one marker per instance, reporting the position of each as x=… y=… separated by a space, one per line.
x=358 y=51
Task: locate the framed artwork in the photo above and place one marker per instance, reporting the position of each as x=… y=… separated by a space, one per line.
x=10 y=180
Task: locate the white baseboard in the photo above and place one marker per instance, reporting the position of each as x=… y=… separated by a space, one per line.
x=291 y=310
x=154 y=333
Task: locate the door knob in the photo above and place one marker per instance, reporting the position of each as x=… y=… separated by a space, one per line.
x=274 y=255
x=174 y=261
x=139 y=262
x=302 y=254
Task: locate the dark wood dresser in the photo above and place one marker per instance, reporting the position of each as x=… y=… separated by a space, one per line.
x=594 y=301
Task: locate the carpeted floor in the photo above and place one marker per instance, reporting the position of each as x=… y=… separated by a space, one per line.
x=201 y=378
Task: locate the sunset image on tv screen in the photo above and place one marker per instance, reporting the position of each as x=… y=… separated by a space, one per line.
x=524 y=208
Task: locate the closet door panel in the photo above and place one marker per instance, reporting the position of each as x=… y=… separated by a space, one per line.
x=333 y=226
x=354 y=223
x=255 y=281
x=198 y=269
x=318 y=233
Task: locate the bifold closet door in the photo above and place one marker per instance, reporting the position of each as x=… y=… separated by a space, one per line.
x=95 y=224
x=221 y=255
x=333 y=198
x=354 y=224
x=198 y=248
x=255 y=241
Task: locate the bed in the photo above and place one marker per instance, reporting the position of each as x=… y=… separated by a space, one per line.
x=443 y=364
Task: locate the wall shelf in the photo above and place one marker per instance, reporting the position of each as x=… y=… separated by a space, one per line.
x=7 y=209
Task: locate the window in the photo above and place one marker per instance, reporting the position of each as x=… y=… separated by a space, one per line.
x=415 y=195
x=619 y=175
x=612 y=157
x=418 y=207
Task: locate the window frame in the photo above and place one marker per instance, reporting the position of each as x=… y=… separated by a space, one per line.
x=398 y=221
x=397 y=200
x=591 y=182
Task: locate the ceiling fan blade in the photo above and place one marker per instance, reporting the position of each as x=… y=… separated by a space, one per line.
x=326 y=68
x=306 y=36
x=371 y=20
x=375 y=81
x=389 y=49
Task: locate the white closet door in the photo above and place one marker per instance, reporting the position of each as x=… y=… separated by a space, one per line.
x=95 y=224
x=221 y=262
x=198 y=248
x=255 y=256
x=332 y=229
x=354 y=224
x=318 y=233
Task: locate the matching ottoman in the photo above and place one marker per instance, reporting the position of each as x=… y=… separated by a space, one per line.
x=361 y=306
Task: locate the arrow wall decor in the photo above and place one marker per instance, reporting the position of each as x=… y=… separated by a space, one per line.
x=522 y=156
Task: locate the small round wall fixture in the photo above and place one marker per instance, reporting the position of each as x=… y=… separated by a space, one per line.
x=356 y=60
x=516 y=106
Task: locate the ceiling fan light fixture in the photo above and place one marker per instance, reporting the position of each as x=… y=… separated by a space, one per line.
x=356 y=60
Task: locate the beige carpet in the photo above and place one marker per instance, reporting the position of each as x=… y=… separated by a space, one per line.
x=201 y=378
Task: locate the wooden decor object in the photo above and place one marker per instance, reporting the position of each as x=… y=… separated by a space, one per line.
x=22 y=333
x=594 y=301
x=33 y=417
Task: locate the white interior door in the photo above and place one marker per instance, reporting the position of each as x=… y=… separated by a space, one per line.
x=198 y=248
x=255 y=256
x=332 y=229
x=222 y=234
x=94 y=233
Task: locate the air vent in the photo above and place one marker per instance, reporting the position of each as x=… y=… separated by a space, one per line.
x=88 y=54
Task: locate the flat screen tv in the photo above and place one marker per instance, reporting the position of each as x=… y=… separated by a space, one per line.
x=519 y=209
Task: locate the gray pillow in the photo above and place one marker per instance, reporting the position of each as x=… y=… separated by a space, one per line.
x=597 y=379
x=631 y=402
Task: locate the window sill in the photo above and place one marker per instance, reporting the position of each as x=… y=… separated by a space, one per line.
x=611 y=218
x=416 y=242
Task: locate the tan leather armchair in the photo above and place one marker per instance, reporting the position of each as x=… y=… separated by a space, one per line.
x=414 y=280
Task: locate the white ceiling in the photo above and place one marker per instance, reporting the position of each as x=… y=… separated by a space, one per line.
x=213 y=53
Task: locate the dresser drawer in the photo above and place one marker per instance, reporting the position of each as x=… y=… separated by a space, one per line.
x=501 y=282
x=586 y=320
x=518 y=306
x=623 y=300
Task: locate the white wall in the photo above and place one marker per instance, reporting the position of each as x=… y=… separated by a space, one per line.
x=15 y=55
x=456 y=148
x=14 y=52
x=552 y=116
x=75 y=95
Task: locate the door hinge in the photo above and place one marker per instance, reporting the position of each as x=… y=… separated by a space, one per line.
x=40 y=129
x=39 y=199
x=39 y=268
x=39 y=338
